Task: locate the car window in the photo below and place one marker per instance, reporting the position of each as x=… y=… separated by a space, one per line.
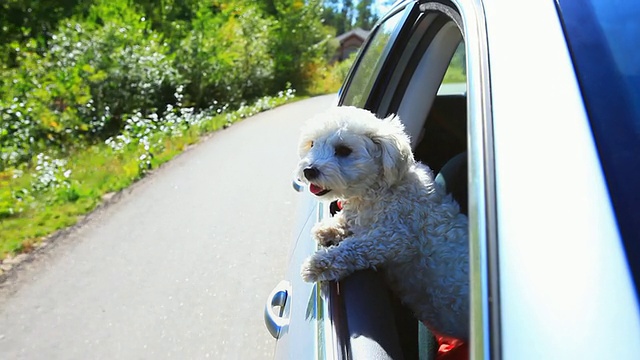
x=442 y=140
x=444 y=133
x=610 y=85
x=370 y=63
x=455 y=79
x=400 y=70
x=456 y=72
x=433 y=58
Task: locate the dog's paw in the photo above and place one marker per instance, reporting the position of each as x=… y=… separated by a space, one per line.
x=325 y=241
x=327 y=235
x=318 y=267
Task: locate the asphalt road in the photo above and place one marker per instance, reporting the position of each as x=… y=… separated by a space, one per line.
x=179 y=266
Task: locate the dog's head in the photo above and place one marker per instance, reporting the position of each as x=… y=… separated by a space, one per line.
x=346 y=152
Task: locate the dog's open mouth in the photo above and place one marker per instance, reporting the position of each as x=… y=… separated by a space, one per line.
x=317 y=190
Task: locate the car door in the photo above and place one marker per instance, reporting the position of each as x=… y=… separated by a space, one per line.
x=415 y=64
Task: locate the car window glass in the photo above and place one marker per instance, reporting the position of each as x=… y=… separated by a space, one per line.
x=456 y=75
x=370 y=64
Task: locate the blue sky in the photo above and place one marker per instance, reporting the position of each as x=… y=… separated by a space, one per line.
x=382 y=6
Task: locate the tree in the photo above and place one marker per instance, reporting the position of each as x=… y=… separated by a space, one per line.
x=347 y=12
x=343 y=16
x=365 y=17
x=297 y=41
x=74 y=72
x=225 y=56
x=22 y=20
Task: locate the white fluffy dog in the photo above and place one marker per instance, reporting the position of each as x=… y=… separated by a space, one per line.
x=394 y=218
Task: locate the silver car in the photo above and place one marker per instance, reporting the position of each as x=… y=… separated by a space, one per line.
x=530 y=114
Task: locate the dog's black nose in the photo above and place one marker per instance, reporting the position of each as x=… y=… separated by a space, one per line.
x=311 y=173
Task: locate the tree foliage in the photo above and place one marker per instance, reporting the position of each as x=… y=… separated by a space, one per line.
x=344 y=15
x=365 y=17
x=72 y=71
x=299 y=40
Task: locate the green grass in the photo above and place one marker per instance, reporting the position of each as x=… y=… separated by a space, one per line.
x=454 y=74
x=95 y=171
x=28 y=213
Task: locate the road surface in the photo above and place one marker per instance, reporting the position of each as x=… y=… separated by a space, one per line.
x=179 y=266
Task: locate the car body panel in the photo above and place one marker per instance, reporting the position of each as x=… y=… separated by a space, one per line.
x=301 y=309
x=563 y=275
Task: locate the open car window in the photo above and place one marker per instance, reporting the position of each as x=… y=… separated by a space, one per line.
x=378 y=58
x=370 y=63
x=424 y=81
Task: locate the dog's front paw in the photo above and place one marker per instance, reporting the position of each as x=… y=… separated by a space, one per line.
x=326 y=237
x=328 y=234
x=318 y=267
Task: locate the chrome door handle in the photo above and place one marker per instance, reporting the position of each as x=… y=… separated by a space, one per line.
x=277 y=320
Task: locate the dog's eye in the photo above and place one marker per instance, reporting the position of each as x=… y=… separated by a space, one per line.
x=310 y=144
x=343 y=151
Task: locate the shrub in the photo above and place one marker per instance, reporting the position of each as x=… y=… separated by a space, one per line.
x=108 y=65
x=329 y=78
x=81 y=88
x=299 y=40
x=225 y=57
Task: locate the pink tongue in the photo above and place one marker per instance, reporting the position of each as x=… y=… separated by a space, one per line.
x=315 y=188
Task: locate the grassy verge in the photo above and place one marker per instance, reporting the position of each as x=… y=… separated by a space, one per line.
x=56 y=190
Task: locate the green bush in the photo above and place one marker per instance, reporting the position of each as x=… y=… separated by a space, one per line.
x=225 y=57
x=85 y=77
x=81 y=88
x=125 y=65
x=329 y=78
x=299 y=42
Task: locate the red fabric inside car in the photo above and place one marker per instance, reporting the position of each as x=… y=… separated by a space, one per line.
x=452 y=349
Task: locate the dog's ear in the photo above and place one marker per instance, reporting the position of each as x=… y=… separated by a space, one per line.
x=395 y=148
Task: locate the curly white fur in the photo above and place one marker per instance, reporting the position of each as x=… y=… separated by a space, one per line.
x=394 y=218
